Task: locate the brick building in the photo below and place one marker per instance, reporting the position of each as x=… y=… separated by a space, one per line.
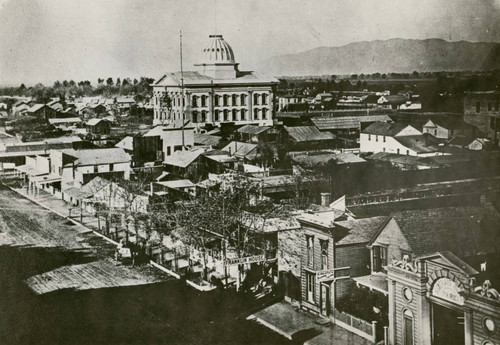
x=482 y=109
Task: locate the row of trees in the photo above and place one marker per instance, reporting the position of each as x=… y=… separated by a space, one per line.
x=65 y=89
x=231 y=212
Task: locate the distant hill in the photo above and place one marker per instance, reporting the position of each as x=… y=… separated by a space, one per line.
x=394 y=55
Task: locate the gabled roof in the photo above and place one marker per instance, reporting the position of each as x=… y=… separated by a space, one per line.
x=308 y=133
x=97 y=156
x=182 y=158
x=241 y=149
x=346 y=122
x=126 y=143
x=176 y=184
x=95 y=121
x=448 y=122
x=449 y=228
x=320 y=159
x=192 y=78
x=418 y=143
x=252 y=129
x=206 y=139
x=59 y=120
x=453 y=260
x=388 y=129
x=396 y=99
x=36 y=107
x=362 y=230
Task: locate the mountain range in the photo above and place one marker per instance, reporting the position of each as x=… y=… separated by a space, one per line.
x=394 y=55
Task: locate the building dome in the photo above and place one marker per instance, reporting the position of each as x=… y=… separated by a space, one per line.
x=218 y=51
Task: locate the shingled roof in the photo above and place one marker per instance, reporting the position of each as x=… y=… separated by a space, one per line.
x=361 y=230
x=389 y=129
x=346 y=122
x=461 y=230
x=308 y=133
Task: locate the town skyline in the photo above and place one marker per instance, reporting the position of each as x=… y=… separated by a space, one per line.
x=131 y=39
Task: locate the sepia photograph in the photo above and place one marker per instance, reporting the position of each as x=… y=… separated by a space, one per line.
x=257 y=172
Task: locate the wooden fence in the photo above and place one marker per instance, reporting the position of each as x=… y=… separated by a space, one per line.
x=356 y=325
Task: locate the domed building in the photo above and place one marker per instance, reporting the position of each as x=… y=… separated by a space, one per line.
x=216 y=92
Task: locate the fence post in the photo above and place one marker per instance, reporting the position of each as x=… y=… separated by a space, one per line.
x=386 y=335
x=374 y=331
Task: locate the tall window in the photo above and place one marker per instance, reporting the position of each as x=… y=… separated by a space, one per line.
x=256 y=114
x=235 y=115
x=216 y=100
x=264 y=113
x=233 y=100
x=194 y=101
x=226 y=100
x=383 y=138
x=194 y=114
x=204 y=116
x=256 y=99
x=226 y=114
x=376 y=138
x=369 y=137
x=217 y=115
x=264 y=98
x=379 y=258
x=407 y=327
x=204 y=101
x=243 y=99
x=243 y=114
x=310 y=250
x=324 y=255
x=310 y=278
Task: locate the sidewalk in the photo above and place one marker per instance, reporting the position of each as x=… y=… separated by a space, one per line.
x=302 y=327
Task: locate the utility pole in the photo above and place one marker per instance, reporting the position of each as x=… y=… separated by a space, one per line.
x=182 y=92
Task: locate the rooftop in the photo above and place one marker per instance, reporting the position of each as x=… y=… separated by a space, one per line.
x=253 y=129
x=346 y=122
x=389 y=129
x=182 y=158
x=362 y=230
x=419 y=143
x=97 y=156
x=308 y=133
x=462 y=230
x=322 y=158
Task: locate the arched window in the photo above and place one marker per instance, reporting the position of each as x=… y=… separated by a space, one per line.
x=264 y=98
x=216 y=100
x=194 y=101
x=256 y=114
x=226 y=114
x=264 y=113
x=235 y=115
x=233 y=100
x=204 y=101
x=256 y=98
x=217 y=116
x=407 y=327
x=226 y=100
x=194 y=114
x=204 y=116
x=243 y=114
x=243 y=99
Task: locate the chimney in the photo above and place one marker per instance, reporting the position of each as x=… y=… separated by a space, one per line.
x=325 y=199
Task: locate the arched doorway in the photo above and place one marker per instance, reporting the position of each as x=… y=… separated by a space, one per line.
x=448 y=323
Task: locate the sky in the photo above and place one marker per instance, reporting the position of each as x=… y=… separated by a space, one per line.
x=48 y=40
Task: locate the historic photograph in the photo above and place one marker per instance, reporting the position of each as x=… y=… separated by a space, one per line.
x=258 y=172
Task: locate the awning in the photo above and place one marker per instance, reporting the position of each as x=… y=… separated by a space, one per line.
x=28 y=170
x=49 y=178
x=376 y=281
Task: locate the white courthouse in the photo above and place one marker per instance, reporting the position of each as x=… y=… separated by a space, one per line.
x=216 y=92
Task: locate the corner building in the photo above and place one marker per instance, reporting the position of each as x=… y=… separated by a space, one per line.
x=216 y=92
